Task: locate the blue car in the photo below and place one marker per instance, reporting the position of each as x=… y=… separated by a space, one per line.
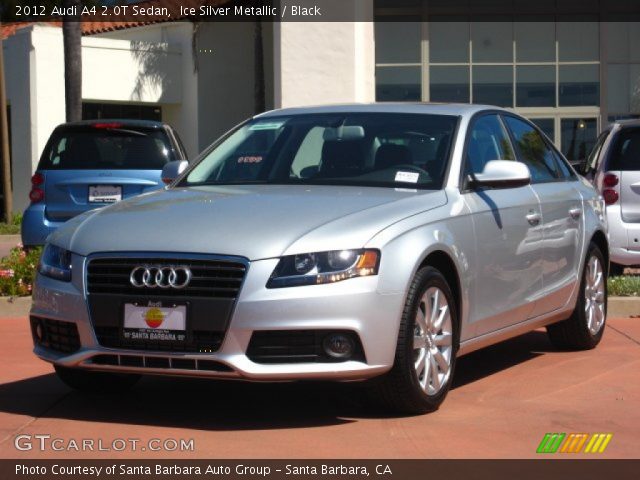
x=90 y=164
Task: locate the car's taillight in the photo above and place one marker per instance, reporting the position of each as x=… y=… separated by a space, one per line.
x=37 y=179
x=610 y=180
x=36 y=194
x=610 y=196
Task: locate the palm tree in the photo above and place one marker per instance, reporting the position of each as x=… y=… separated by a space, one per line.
x=72 y=38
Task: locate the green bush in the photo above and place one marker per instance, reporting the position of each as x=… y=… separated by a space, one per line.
x=624 y=286
x=17 y=271
x=12 y=228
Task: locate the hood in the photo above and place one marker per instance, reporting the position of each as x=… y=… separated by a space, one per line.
x=252 y=221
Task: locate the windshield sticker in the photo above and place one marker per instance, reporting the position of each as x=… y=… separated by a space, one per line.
x=266 y=125
x=407 y=177
x=250 y=159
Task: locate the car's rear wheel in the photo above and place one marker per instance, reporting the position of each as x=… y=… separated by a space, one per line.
x=584 y=328
x=98 y=382
x=426 y=349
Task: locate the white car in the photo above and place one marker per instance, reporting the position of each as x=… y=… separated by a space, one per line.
x=614 y=167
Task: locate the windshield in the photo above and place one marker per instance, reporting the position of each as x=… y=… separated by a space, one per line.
x=378 y=150
x=122 y=148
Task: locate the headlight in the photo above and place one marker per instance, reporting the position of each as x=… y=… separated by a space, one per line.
x=55 y=262
x=323 y=267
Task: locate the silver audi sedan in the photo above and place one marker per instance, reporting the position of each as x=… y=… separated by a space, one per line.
x=357 y=242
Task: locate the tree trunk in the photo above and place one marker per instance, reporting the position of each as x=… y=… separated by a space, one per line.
x=72 y=35
x=7 y=196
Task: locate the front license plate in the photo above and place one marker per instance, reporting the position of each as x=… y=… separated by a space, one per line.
x=105 y=193
x=155 y=323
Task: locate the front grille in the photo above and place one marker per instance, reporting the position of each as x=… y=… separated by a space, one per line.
x=211 y=278
x=159 y=362
x=209 y=298
x=55 y=335
x=296 y=346
x=202 y=341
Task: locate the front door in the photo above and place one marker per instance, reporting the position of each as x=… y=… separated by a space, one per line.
x=508 y=236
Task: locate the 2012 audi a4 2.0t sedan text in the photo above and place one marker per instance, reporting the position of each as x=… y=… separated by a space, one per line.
x=357 y=242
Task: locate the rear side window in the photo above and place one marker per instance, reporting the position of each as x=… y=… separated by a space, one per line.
x=625 y=154
x=534 y=152
x=123 y=148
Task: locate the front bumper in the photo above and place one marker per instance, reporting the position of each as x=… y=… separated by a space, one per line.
x=354 y=305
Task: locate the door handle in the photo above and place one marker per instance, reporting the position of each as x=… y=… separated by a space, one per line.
x=575 y=212
x=533 y=218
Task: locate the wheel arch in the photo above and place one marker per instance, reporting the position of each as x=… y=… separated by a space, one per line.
x=443 y=262
x=600 y=239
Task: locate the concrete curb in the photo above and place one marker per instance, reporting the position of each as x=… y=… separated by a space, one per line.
x=623 y=307
x=618 y=306
x=14 y=306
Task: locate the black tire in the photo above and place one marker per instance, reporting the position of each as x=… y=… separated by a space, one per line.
x=573 y=333
x=399 y=389
x=615 y=270
x=96 y=382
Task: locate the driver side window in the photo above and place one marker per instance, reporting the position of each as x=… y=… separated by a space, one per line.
x=488 y=140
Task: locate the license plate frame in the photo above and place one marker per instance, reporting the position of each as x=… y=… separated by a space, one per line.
x=134 y=332
x=104 y=193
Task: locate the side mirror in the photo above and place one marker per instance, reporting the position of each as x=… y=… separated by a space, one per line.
x=502 y=174
x=172 y=170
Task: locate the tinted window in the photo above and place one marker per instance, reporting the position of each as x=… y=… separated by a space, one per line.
x=488 y=140
x=107 y=148
x=375 y=149
x=533 y=151
x=626 y=151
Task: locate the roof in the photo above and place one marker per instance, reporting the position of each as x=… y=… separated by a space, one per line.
x=121 y=22
x=457 y=109
x=124 y=122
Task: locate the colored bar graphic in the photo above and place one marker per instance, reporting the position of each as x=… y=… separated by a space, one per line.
x=574 y=443
x=550 y=442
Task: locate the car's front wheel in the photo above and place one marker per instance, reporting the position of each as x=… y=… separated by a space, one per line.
x=426 y=349
x=96 y=382
x=584 y=328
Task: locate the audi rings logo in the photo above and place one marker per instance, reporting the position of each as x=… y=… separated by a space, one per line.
x=152 y=276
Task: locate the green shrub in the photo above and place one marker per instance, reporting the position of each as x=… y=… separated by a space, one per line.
x=624 y=286
x=17 y=271
x=12 y=228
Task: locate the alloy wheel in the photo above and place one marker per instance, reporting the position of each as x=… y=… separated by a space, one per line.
x=432 y=342
x=594 y=306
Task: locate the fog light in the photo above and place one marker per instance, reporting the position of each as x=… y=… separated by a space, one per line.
x=38 y=332
x=337 y=345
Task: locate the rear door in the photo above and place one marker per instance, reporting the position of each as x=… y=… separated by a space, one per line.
x=91 y=166
x=561 y=220
x=625 y=158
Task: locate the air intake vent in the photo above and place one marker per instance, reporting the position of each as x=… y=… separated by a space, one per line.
x=55 y=335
